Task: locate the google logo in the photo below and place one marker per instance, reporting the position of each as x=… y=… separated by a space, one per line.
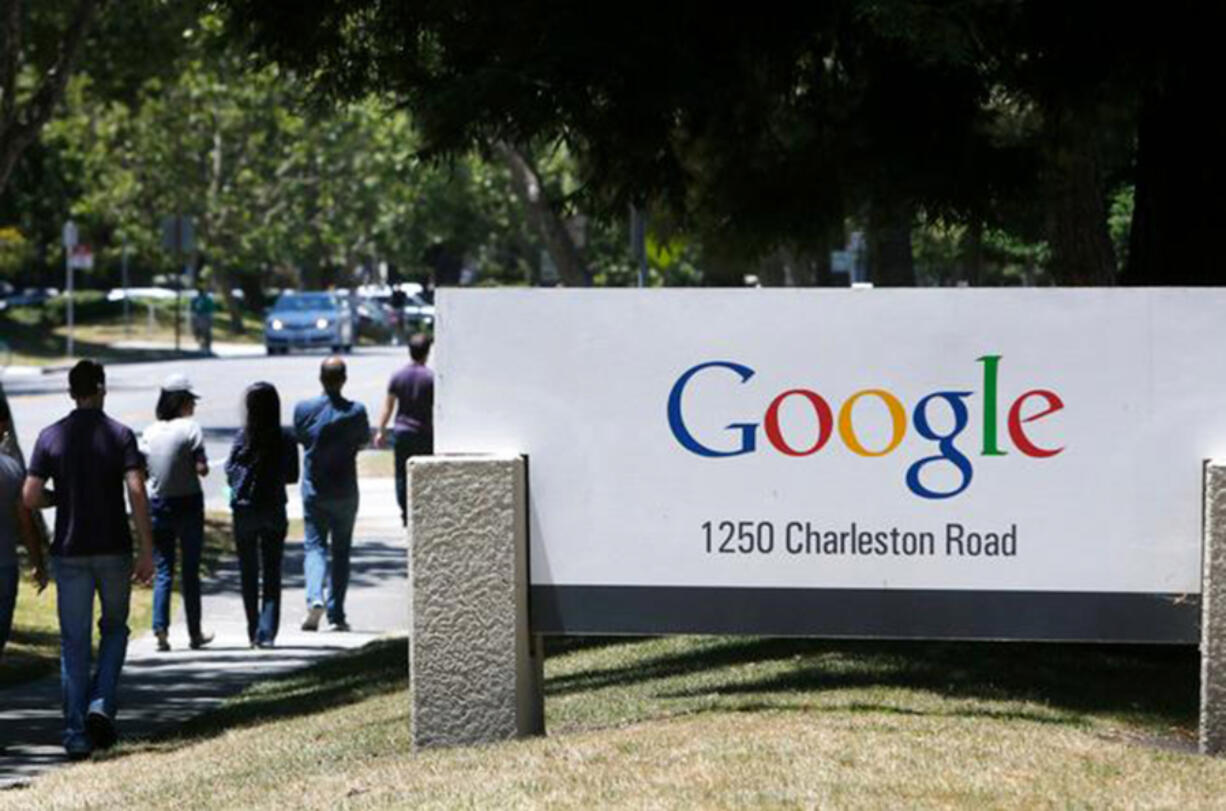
x=1035 y=404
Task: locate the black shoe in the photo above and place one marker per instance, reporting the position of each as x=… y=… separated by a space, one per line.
x=199 y=642
x=101 y=731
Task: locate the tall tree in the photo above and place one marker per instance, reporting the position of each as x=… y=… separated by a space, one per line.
x=41 y=42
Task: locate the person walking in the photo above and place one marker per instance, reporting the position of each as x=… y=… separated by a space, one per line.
x=174 y=448
x=90 y=459
x=411 y=393
x=16 y=522
x=262 y=461
x=331 y=430
x=202 y=319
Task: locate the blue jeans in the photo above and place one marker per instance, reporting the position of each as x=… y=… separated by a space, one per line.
x=259 y=537
x=404 y=446
x=180 y=517
x=8 y=601
x=76 y=580
x=322 y=518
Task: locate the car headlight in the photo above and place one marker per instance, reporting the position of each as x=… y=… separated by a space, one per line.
x=276 y=324
x=321 y=323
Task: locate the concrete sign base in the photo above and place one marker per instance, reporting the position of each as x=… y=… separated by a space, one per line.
x=475 y=670
x=1213 y=613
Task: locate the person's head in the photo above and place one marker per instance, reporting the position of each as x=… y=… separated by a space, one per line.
x=87 y=383
x=332 y=375
x=176 y=398
x=261 y=409
x=419 y=347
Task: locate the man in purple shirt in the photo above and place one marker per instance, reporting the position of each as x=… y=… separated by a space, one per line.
x=411 y=393
x=91 y=459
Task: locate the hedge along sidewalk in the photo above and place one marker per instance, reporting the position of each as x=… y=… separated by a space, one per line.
x=158 y=692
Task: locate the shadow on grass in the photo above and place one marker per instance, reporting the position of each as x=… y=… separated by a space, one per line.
x=375 y=669
x=40 y=342
x=1151 y=684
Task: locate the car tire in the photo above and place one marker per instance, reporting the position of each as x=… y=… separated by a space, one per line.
x=272 y=350
x=348 y=349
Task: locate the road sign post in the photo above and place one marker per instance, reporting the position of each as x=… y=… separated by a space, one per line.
x=178 y=236
x=70 y=241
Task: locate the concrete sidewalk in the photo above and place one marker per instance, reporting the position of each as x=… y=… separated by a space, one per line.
x=159 y=691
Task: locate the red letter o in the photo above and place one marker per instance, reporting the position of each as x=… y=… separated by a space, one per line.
x=825 y=422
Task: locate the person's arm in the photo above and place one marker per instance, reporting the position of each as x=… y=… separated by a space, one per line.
x=198 y=452
x=35 y=495
x=389 y=404
x=139 y=499
x=290 y=460
x=29 y=537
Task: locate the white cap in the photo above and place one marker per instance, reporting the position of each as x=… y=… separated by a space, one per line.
x=178 y=382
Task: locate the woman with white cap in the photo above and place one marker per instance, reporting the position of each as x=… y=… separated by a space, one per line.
x=174 y=449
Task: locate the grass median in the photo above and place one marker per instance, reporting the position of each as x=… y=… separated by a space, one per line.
x=33 y=648
x=701 y=722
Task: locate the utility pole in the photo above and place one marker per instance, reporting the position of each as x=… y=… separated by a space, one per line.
x=638 y=242
x=127 y=299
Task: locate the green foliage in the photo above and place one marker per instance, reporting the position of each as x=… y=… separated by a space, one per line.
x=14 y=251
x=1119 y=222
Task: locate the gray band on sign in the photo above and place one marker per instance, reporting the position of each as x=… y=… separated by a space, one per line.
x=877 y=613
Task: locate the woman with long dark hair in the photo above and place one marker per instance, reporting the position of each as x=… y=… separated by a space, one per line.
x=174 y=450
x=263 y=460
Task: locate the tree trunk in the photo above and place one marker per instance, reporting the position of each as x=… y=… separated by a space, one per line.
x=890 y=261
x=1081 y=250
x=971 y=263
x=21 y=124
x=1180 y=172
x=546 y=221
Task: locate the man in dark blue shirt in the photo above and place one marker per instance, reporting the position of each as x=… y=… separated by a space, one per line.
x=91 y=459
x=331 y=431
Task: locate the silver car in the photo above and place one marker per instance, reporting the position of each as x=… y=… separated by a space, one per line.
x=307 y=321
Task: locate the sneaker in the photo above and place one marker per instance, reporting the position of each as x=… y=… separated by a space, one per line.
x=338 y=625
x=100 y=729
x=163 y=642
x=311 y=621
x=199 y=642
x=265 y=643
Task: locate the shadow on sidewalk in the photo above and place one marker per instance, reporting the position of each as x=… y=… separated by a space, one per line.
x=379 y=667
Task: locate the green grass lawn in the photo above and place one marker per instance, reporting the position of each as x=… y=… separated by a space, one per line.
x=32 y=342
x=33 y=648
x=708 y=722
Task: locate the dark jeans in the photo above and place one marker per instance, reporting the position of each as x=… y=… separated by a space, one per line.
x=181 y=517
x=328 y=578
x=404 y=445
x=259 y=536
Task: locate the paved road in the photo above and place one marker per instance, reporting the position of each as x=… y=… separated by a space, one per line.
x=38 y=400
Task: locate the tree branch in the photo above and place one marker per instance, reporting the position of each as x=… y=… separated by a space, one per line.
x=19 y=131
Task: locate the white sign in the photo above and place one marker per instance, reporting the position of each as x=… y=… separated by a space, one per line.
x=69 y=234
x=882 y=442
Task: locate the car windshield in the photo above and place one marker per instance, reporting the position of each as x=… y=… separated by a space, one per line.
x=301 y=302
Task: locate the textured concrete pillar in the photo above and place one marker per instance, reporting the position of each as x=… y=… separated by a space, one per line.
x=1213 y=613
x=475 y=670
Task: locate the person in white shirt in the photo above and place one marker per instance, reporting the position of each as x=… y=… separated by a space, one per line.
x=174 y=450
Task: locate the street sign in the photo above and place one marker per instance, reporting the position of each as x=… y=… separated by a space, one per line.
x=70 y=234
x=81 y=257
x=178 y=234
